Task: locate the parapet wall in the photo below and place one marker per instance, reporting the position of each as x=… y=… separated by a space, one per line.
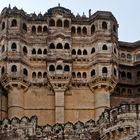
x=111 y=125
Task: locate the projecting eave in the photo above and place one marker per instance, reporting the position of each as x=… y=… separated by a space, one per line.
x=105 y=15
x=129 y=44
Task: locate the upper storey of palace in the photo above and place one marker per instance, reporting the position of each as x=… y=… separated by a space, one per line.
x=75 y=31
x=59 y=18
x=60 y=13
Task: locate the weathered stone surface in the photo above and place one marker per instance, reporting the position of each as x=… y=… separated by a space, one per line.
x=66 y=68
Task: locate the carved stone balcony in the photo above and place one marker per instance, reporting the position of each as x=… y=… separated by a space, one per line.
x=14 y=55
x=104 y=80
x=15 y=79
x=59 y=54
x=40 y=82
x=104 y=57
x=59 y=80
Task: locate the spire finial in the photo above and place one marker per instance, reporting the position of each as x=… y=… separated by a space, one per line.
x=58 y=4
x=9 y=5
x=89 y=12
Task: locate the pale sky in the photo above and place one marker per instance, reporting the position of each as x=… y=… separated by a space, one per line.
x=127 y=12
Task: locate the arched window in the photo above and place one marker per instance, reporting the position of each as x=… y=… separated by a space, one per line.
x=59 y=67
x=45 y=29
x=73 y=30
x=73 y=75
x=114 y=28
x=138 y=74
x=25 y=50
x=2 y=70
x=33 y=29
x=93 y=50
x=14 y=68
x=25 y=72
x=73 y=52
x=122 y=55
x=104 y=25
x=92 y=73
x=24 y=26
x=123 y=75
x=3 y=48
x=59 y=23
x=123 y=91
x=66 y=46
x=115 y=73
x=39 y=51
x=51 y=22
x=45 y=51
x=79 y=52
x=84 y=30
x=104 y=47
x=129 y=75
x=33 y=51
x=129 y=92
x=138 y=56
x=39 y=29
x=78 y=75
x=3 y=25
x=66 y=68
x=51 y=46
x=39 y=75
x=79 y=30
x=14 y=23
x=34 y=75
x=13 y=46
x=118 y=90
x=104 y=70
x=59 y=46
x=84 y=52
x=115 y=50
x=93 y=29
x=51 y=68
x=129 y=56
x=45 y=75
x=84 y=75
x=138 y=90
x=66 y=24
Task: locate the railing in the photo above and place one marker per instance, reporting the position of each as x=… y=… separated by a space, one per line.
x=59 y=76
x=59 y=54
x=39 y=80
x=112 y=115
x=14 y=77
x=14 y=55
x=105 y=76
x=79 y=80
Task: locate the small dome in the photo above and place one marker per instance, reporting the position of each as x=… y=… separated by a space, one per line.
x=60 y=10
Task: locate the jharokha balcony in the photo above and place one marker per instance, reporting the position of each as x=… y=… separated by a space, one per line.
x=14 y=78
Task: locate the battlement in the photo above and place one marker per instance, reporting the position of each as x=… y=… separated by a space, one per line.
x=8 y=11
x=110 y=122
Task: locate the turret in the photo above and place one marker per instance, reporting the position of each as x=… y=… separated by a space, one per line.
x=14 y=74
x=103 y=57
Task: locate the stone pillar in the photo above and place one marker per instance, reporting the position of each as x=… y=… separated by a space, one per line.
x=16 y=102
x=3 y=106
x=59 y=106
x=102 y=101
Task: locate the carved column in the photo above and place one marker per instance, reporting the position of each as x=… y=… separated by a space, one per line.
x=59 y=106
x=16 y=102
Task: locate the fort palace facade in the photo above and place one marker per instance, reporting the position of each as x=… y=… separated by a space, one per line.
x=67 y=77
